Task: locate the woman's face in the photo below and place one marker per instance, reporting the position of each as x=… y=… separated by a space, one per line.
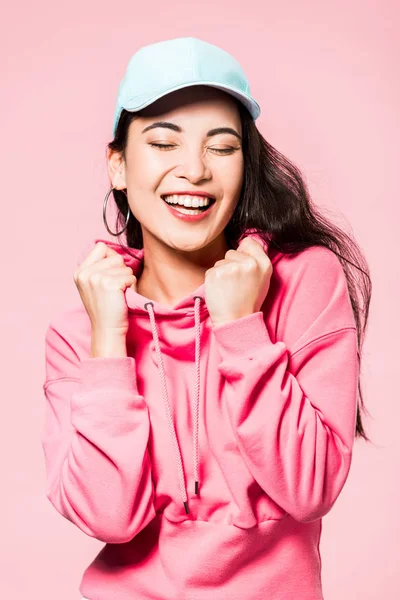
x=196 y=159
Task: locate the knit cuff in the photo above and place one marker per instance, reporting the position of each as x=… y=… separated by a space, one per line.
x=243 y=336
x=108 y=373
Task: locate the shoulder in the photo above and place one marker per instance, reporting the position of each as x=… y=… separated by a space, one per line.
x=67 y=342
x=314 y=264
x=309 y=296
x=314 y=273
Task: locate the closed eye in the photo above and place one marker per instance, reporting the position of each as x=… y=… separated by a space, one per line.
x=221 y=150
x=161 y=145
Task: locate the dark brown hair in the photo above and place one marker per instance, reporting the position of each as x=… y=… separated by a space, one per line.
x=274 y=200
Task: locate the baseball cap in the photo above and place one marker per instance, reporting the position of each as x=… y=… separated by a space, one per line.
x=163 y=67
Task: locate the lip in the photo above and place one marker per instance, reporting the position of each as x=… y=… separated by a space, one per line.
x=188 y=218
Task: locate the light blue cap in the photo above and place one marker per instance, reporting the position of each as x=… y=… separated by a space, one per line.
x=163 y=67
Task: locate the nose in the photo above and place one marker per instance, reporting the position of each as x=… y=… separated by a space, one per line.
x=194 y=166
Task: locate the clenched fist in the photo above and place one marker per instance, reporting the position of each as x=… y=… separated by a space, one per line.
x=102 y=279
x=237 y=285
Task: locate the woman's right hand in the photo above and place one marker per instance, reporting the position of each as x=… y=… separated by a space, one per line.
x=101 y=279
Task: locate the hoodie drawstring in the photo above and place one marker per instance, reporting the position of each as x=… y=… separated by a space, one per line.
x=178 y=457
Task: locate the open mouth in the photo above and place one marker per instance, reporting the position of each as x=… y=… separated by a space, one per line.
x=193 y=209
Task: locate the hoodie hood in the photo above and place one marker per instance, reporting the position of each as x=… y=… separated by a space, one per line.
x=187 y=315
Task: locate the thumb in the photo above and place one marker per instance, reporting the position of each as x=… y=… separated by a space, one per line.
x=133 y=285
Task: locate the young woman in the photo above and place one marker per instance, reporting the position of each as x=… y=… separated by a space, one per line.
x=202 y=399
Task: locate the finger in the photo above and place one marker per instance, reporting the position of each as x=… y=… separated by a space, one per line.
x=238 y=256
x=115 y=272
x=116 y=260
x=251 y=246
x=220 y=262
x=113 y=281
x=100 y=250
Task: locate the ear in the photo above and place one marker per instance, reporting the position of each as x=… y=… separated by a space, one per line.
x=116 y=169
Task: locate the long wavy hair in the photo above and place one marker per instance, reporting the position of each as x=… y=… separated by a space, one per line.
x=276 y=202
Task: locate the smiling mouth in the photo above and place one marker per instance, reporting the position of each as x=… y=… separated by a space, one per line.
x=178 y=206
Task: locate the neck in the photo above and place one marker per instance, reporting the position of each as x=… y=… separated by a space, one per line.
x=169 y=275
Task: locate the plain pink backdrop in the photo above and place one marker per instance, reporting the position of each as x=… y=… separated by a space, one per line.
x=326 y=77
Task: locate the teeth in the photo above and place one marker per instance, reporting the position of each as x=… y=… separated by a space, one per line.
x=189 y=201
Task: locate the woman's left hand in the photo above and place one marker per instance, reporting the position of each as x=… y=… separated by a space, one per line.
x=237 y=285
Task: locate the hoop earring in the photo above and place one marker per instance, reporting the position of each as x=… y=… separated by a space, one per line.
x=105 y=218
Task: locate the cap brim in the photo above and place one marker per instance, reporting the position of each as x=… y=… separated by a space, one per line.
x=252 y=106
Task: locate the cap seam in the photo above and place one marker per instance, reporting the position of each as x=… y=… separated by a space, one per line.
x=192 y=52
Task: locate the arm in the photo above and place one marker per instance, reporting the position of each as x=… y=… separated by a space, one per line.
x=294 y=414
x=94 y=440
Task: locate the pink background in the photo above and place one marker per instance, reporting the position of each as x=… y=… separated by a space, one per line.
x=326 y=77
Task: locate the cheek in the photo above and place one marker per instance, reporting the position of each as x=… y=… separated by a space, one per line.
x=144 y=173
x=232 y=175
x=142 y=164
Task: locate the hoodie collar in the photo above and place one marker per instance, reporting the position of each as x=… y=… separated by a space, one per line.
x=134 y=258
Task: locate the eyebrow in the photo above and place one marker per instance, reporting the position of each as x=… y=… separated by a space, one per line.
x=175 y=127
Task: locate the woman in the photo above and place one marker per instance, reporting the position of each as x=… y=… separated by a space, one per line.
x=201 y=400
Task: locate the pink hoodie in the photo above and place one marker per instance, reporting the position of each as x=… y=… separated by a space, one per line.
x=261 y=412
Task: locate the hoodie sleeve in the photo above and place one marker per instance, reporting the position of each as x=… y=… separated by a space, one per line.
x=293 y=409
x=94 y=438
